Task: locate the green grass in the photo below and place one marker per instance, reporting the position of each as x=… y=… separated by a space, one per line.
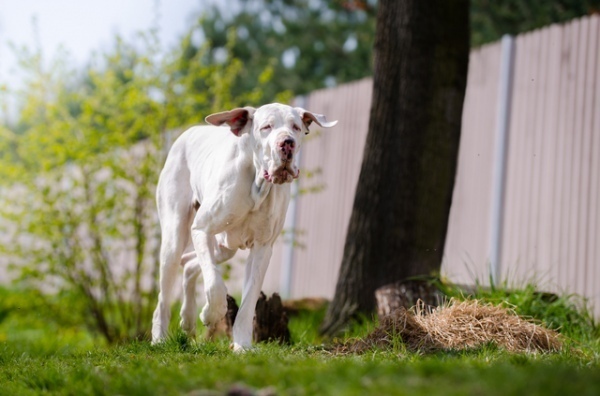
x=54 y=360
x=138 y=369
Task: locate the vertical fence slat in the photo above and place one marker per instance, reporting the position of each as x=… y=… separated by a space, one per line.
x=503 y=114
x=593 y=275
x=535 y=203
x=578 y=141
x=586 y=213
x=569 y=141
x=549 y=151
x=565 y=158
x=558 y=161
x=516 y=152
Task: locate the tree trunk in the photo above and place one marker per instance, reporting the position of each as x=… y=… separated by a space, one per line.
x=400 y=214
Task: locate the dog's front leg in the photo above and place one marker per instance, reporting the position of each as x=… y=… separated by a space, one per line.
x=214 y=287
x=256 y=267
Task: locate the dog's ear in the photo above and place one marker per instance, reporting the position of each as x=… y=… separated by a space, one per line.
x=237 y=119
x=308 y=118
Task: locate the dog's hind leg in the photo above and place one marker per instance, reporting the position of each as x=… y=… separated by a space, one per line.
x=175 y=227
x=191 y=271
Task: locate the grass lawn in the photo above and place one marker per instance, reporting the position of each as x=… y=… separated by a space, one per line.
x=138 y=369
x=54 y=360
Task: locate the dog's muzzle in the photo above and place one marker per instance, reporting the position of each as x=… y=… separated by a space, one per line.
x=284 y=174
x=286 y=171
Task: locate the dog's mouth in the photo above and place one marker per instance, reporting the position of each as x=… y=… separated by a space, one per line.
x=286 y=173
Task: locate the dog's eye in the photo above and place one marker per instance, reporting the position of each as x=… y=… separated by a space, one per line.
x=265 y=128
x=296 y=128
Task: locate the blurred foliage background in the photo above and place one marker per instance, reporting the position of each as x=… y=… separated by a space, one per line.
x=80 y=154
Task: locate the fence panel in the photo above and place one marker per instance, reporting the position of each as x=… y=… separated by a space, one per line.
x=551 y=224
x=551 y=221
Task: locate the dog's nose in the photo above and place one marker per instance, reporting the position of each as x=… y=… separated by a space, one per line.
x=287 y=147
x=288 y=142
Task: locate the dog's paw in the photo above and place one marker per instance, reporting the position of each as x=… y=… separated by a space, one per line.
x=156 y=340
x=211 y=316
x=238 y=348
x=220 y=330
x=189 y=327
x=158 y=334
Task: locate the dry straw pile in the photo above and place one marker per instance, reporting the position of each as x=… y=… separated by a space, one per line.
x=458 y=325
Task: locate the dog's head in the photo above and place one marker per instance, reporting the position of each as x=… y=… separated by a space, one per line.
x=275 y=132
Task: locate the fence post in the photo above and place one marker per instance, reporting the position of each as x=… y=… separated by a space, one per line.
x=500 y=149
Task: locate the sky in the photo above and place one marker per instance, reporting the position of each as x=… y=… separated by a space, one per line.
x=82 y=27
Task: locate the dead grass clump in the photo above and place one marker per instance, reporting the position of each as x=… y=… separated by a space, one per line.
x=458 y=325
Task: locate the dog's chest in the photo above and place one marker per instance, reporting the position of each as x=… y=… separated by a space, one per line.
x=261 y=226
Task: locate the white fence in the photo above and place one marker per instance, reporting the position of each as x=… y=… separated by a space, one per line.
x=548 y=230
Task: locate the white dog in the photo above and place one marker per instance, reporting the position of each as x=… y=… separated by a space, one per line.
x=226 y=191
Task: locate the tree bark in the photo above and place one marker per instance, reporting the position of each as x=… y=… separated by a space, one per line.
x=400 y=215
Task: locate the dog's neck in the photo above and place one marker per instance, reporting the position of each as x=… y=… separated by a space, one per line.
x=260 y=190
x=260 y=187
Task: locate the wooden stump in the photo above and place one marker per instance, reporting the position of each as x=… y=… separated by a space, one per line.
x=405 y=294
x=271 y=321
